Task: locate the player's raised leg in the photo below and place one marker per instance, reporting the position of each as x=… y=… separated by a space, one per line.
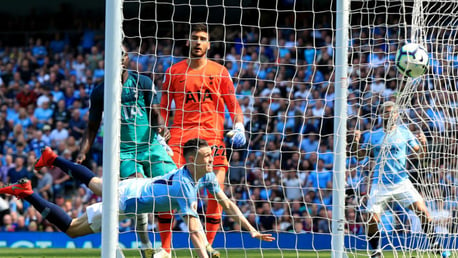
x=48 y=158
x=373 y=235
x=214 y=210
x=428 y=227
x=53 y=213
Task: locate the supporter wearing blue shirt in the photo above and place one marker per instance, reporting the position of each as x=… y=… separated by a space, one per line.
x=320 y=177
x=23 y=119
x=37 y=143
x=43 y=114
x=19 y=171
x=309 y=144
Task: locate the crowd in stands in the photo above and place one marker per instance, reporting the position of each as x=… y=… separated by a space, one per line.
x=282 y=179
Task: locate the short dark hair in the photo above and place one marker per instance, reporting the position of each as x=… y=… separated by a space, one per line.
x=192 y=146
x=199 y=27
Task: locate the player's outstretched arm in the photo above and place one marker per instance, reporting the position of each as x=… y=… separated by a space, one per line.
x=95 y=119
x=87 y=140
x=196 y=232
x=232 y=209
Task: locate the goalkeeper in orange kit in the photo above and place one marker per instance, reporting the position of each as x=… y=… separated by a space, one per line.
x=201 y=89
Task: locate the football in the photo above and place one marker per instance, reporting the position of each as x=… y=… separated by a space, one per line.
x=412 y=60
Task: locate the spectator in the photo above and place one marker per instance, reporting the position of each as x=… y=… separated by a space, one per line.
x=59 y=134
x=33 y=226
x=99 y=73
x=44 y=96
x=77 y=125
x=324 y=221
x=23 y=118
x=94 y=58
x=46 y=135
x=26 y=96
x=56 y=92
x=266 y=218
x=236 y=169
x=320 y=177
x=352 y=225
x=8 y=225
x=308 y=224
x=57 y=45
x=44 y=183
x=278 y=208
x=292 y=186
x=20 y=225
x=79 y=66
x=30 y=161
x=60 y=180
x=37 y=143
x=43 y=114
x=61 y=114
x=310 y=144
x=39 y=52
x=20 y=149
x=18 y=171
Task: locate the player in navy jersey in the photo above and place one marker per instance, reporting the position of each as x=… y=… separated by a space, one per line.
x=174 y=190
x=142 y=150
x=390 y=146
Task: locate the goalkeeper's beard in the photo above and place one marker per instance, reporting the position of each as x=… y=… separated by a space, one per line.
x=197 y=56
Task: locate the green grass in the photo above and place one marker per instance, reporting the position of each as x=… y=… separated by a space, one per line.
x=55 y=253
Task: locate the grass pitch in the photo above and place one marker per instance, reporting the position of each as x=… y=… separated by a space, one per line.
x=129 y=253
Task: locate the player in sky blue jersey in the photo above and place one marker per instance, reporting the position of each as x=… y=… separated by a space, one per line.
x=390 y=146
x=175 y=190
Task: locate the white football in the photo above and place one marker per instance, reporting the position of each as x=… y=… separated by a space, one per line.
x=412 y=60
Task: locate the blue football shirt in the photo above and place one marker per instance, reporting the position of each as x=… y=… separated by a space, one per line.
x=174 y=190
x=390 y=152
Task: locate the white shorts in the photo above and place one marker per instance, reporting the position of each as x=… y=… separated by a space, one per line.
x=404 y=193
x=94 y=216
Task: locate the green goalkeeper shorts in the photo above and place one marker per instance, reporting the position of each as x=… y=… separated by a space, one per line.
x=150 y=162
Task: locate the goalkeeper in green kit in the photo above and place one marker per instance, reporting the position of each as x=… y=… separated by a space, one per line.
x=144 y=152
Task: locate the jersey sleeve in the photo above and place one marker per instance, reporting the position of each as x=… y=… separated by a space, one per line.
x=228 y=94
x=187 y=200
x=147 y=88
x=96 y=104
x=210 y=182
x=412 y=141
x=166 y=96
x=156 y=94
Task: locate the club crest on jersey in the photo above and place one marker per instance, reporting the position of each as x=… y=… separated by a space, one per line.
x=198 y=96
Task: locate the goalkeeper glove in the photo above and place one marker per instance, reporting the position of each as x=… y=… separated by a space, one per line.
x=164 y=145
x=237 y=135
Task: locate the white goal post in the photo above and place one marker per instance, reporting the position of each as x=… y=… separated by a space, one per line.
x=112 y=122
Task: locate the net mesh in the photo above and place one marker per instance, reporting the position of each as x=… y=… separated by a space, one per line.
x=427 y=105
x=280 y=55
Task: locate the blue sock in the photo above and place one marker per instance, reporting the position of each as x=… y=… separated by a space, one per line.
x=77 y=171
x=50 y=211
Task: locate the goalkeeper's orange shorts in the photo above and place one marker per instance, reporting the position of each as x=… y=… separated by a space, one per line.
x=218 y=148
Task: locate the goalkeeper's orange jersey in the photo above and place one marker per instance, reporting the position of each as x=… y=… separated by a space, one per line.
x=200 y=98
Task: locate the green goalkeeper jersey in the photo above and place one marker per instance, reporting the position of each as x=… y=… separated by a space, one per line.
x=136 y=132
x=138 y=93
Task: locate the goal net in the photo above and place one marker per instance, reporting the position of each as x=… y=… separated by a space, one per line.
x=426 y=105
x=280 y=55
